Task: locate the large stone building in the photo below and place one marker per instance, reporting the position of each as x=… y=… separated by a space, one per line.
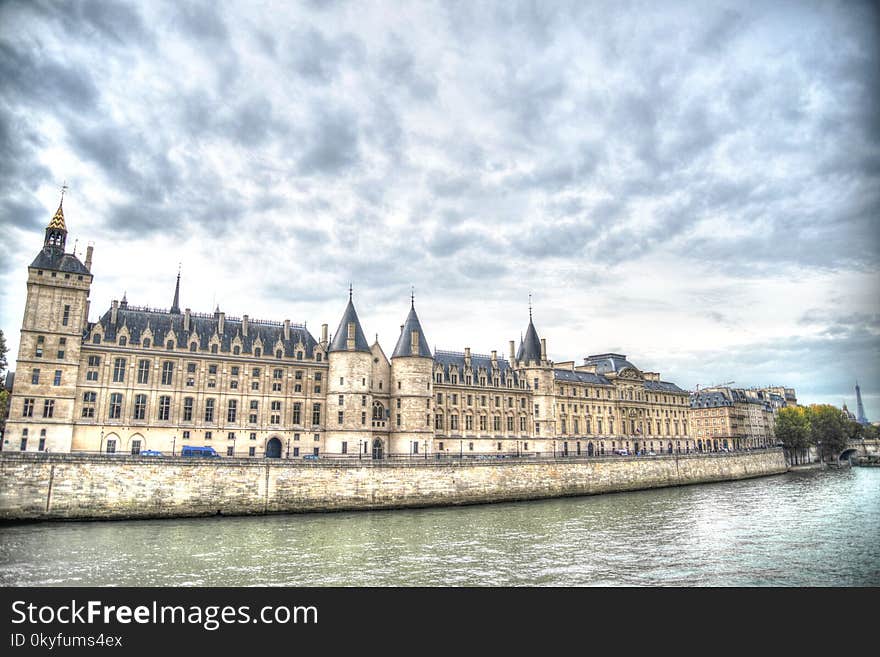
x=139 y=378
x=733 y=418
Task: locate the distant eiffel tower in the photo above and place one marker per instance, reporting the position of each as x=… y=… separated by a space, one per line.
x=860 y=408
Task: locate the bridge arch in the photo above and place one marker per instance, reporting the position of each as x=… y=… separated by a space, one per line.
x=847 y=454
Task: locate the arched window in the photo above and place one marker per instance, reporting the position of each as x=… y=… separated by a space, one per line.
x=193 y=346
x=278 y=353
x=318 y=356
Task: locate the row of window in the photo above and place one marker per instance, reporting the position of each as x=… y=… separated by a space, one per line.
x=144 y=367
x=469 y=399
x=468 y=380
x=482 y=423
x=171 y=345
x=163 y=412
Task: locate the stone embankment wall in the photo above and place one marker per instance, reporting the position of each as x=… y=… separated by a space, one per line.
x=70 y=486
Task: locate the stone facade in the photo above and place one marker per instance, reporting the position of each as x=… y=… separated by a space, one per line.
x=732 y=418
x=139 y=379
x=74 y=486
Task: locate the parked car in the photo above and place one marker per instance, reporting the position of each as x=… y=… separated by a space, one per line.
x=151 y=452
x=651 y=454
x=311 y=457
x=622 y=452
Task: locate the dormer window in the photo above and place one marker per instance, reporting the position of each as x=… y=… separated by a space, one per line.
x=123 y=341
x=279 y=353
x=146 y=343
x=193 y=346
x=213 y=348
x=258 y=352
x=96 y=339
x=170 y=345
x=236 y=351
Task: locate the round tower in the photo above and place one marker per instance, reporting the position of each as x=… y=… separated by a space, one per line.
x=412 y=365
x=349 y=402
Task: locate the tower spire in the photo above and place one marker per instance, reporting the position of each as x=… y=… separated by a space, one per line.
x=56 y=231
x=530 y=307
x=861 y=418
x=349 y=291
x=175 y=305
x=412 y=296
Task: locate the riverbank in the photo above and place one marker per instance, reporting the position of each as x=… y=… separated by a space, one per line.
x=84 y=487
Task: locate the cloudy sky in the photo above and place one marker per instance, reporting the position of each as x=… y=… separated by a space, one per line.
x=694 y=185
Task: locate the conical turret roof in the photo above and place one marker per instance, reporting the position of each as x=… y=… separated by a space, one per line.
x=340 y=338
x=530 y=346
x=404 y=342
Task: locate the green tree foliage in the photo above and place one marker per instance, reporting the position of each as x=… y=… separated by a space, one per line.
x=793 y=427
x=828 y=426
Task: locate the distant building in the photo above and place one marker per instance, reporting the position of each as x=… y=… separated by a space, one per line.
x=861 y=418
x=733 y=418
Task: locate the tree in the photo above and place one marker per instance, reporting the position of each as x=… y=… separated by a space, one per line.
x=793 y=429
x=828 y=427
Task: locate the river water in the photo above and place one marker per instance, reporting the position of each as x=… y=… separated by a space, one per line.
x=809 y=528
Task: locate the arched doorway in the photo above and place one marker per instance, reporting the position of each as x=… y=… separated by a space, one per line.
x=669 y=447
x=377 y=449
x=589 y=449
x=273 y=449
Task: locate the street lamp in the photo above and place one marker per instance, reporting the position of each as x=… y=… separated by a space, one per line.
x=173 y=444
x=425 y=448
x=460 y=449
x=360 y=449
x=101 y=444
x=288 y=447
x=819 y=450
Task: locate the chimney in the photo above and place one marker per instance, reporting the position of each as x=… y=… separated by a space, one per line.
x=221 y=323
x=244 y=325
x=543 y=349
x=114 y=309
x=467 y=356
x=88 y=263
x=512 y=353
x=186 y=324
x=494 y=356
x=287 y=329
x=350 y=338
x=401 y=328
x=324 y=334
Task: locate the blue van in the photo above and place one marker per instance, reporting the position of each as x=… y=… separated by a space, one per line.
x=199 y=452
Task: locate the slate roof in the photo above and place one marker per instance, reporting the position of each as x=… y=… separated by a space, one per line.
x=404 y=342
x=54 y=260
x=530 y=346
x=662 y=386
x=710 y=400
x=205 y=326
x=580 y=377
x=606 y=363
x=340 y=338
x=478 y=361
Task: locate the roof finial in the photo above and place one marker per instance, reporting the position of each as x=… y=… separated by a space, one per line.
x=64 y=188
x=412 y=296
x=349 y=291
x=530 y=307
